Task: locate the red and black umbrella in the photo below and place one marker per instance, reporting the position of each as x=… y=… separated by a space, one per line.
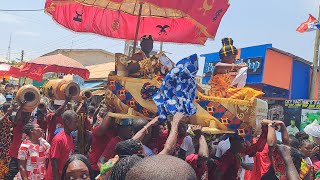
x=55 y=63
x=180 y=21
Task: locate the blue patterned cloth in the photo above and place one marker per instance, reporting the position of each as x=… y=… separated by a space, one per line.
x=178 y=89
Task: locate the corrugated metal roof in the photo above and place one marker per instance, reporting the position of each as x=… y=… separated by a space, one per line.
x=90 y=85
x=292 y=55
x=99 y=92
x=100 y=71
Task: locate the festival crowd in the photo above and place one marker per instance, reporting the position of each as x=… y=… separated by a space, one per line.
x=44 y=145
x=51 y=142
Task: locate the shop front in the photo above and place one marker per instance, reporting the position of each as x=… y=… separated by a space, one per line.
x=280 y=75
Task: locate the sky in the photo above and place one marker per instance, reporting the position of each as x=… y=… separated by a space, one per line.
x=248 y=22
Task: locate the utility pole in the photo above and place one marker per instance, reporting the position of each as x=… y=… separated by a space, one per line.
x=22 y=55
x=9 y=50
x=21 y=60
x=315 y=63
x=161 y=46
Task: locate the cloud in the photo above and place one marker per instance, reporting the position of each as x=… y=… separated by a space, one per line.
x=8 y=18
x=27 y=33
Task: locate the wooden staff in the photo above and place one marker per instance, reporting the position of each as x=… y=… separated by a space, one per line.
x=82 y=129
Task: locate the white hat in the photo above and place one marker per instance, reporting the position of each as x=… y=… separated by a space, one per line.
x=58 y=102
x=313 y=129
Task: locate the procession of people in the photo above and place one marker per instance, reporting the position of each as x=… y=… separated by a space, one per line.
x=152 y=119
x=76 y=139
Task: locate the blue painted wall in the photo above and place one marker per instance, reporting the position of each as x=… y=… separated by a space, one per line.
x=249 y=52
x=300 y=80
x=255 y=51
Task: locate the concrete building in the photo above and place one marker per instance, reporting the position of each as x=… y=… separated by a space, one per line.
x=279 y=74
x=87 y=57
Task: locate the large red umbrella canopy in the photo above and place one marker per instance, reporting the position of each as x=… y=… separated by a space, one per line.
x=55 y=63
x=9 y=70
x=181 y=21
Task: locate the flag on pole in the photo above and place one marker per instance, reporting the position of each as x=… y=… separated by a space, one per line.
x=310 y=25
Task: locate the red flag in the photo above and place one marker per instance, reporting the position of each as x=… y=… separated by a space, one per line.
x=310 y=24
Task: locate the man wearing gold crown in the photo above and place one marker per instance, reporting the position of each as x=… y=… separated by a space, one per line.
x=145 y=65
x=225 y=73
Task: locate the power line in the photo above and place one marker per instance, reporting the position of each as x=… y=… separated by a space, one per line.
x=24 y=18
x=56 y=42
x=21 y=10
x=58 y=45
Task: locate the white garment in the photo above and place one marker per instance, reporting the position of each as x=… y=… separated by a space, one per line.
x=308 y=160
x=313 y=129
x=223 y=146
x=241 y=78
x=279 y=136
x=248 y=160
x=292 y=130
x=187 y=145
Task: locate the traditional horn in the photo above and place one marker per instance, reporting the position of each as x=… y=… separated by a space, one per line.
x=30 y=95
x=58 y=89
x=86 y=94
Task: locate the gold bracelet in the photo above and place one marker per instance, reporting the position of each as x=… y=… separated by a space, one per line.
x=146 y=129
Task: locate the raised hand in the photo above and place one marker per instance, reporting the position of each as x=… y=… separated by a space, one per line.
x=178 y=117
x=197 y=130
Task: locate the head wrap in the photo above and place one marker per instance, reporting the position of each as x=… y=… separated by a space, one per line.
x=313 y=129
x=227 y=49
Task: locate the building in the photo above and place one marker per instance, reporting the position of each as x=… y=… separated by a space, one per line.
x=279 y=74
x=86 y=57
x=100 y=71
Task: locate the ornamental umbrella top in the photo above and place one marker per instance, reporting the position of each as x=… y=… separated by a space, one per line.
x=180 y=21
x=54 y=63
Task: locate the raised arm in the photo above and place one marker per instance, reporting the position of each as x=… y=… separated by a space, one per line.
x=140 y=134
x=172 y=139
x=284 y=132
x=221 y=68
x=203 y=146
x=61 y=109
x=259 y=145
x=291 y=171
x=95 y=118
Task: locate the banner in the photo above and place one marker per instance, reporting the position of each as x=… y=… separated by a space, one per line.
x=276 y=113
x=310 y=112
x=254 y=64
x=292 y=111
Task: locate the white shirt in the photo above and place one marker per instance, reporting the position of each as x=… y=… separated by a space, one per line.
x=223 y=146
x=187 y=145
x=308 y=160
x=279 y=136
x=292 y=130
